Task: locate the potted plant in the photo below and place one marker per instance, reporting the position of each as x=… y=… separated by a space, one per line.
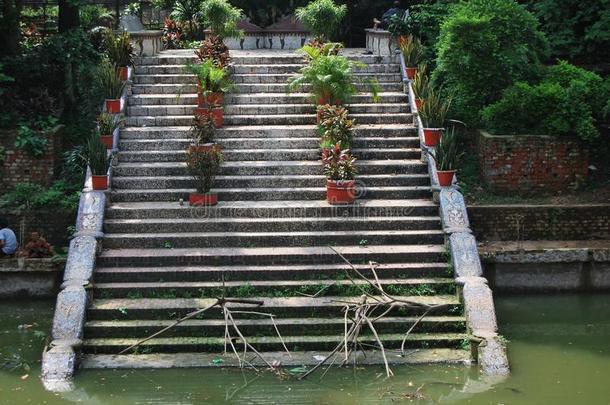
x=98 y=159
x=413 y=53
x=322 y=18
x=112 y=87
x=221 y=18
x=106 y=124
x=203 y=165
x=421 y=84
x=340 y=170
x=121 y=53
x=446 y=158
x=213 y=82
x=434 y=114
x=202 y=132
x=335 y=126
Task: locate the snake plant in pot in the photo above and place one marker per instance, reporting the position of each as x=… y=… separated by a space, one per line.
x=203 y=165
x=106 y=124
x=121 y=53
x=340 y=171
x=446 y=158
x=434 y=115
x=413 y=53
x=421 y=84
x=111 y=85
x=98 y=159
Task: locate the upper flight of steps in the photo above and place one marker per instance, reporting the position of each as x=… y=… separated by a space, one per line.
x=270 y=234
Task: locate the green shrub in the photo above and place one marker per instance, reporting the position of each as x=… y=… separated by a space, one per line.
x=425 y=21
x=322 y=17
x=221 y=17
x=483 y=48
x=60 y=195
x=93 y=15
x=543 y=109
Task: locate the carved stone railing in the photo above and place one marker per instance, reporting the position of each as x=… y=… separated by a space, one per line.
x=474 y=292
x=61 y=359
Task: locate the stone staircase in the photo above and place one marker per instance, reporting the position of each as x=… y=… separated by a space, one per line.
x=268 y=238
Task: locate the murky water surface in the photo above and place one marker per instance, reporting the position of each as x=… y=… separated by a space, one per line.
x=559 y=351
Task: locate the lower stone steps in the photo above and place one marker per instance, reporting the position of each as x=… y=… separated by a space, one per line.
x=289 y=224
x=270 y=272
x=268 y=239
x=250 y=327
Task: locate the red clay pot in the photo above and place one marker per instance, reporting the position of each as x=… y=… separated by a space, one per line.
x=99 y=182
x=411 y=71
x=432 y=136
x=107 y=140
x=340 y=192
x=203 y=199
x=113 y=106
x=216 y=114
x=419 y=102
x=123 y=73
x=214 y=99
x=205 y=147
x=445 y=177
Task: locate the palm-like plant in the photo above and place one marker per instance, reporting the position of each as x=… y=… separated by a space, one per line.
x=185 y=11
x=109 y=82
x=221 y=17
x=212 y=79
x=434 y=111
x=322 y=17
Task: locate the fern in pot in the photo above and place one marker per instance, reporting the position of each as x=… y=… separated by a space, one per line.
x=434 y=116
x=446 y=158
x=203 y=165
x=111 y=85
x=340 y=171
x=98 y=159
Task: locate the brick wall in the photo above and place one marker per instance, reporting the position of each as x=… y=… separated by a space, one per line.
x=18 y=166
x=531 y=164
x=50 y=223
x=540 y=222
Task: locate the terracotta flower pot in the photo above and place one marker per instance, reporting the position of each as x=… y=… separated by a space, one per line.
x=205 y=147
x=411 y=71
x=113 y=106
x=99 y=182
x=123 y=73
x=340 y=192
x=432 y=136
x=445 y=177
x=207 y=199
x=107 y=140
x=215 y=114
x=419 y=102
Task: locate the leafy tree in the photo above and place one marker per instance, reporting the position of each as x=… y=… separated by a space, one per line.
x=483 y=48
x=221 y=17
x=322 y=17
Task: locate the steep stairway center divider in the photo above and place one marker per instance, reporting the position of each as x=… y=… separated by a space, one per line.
x=269 y=235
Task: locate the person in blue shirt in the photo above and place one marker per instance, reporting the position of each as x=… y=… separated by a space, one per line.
x=8 y=240
x=387 y=16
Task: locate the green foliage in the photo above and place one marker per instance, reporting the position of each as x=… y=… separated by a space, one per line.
x=483 y=48
x=97 y=156
x=335 y=126
x=203 y=166
x=399 y=25
x=577 y=30
x=4 y=79
x=322 y=17
x=339 y=164
x=221 y=17
x=109 y=82
x=421 y=82
x=30 y=141
x=425 y=21
x=61 y=195
x=543 y=109
x=93 y=15
x=434 y=111
x=185 y=10
x=211 y=78
x=412 y=50
x=447 y=156
x=107 y=123
x=203 y=130
x=119 y=49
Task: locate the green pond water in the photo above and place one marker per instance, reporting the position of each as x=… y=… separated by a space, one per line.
x=559 y=351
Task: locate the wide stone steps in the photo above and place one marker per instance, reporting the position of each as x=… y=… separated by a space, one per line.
x=264 y=288
x=272 y=209
x=270 y=167
x=250 y=327
x=269 y=273
x=271 y=119
x=157 y=144
x=239 y=60
x=267 y=132
x=284 y=307
x=269 y=343
x=169 y=182
x=190 y=87
x=318 y=255
x=260 y=69
x=231 y=155
x=293 y=224
x=257 y=98
x=264 y=109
